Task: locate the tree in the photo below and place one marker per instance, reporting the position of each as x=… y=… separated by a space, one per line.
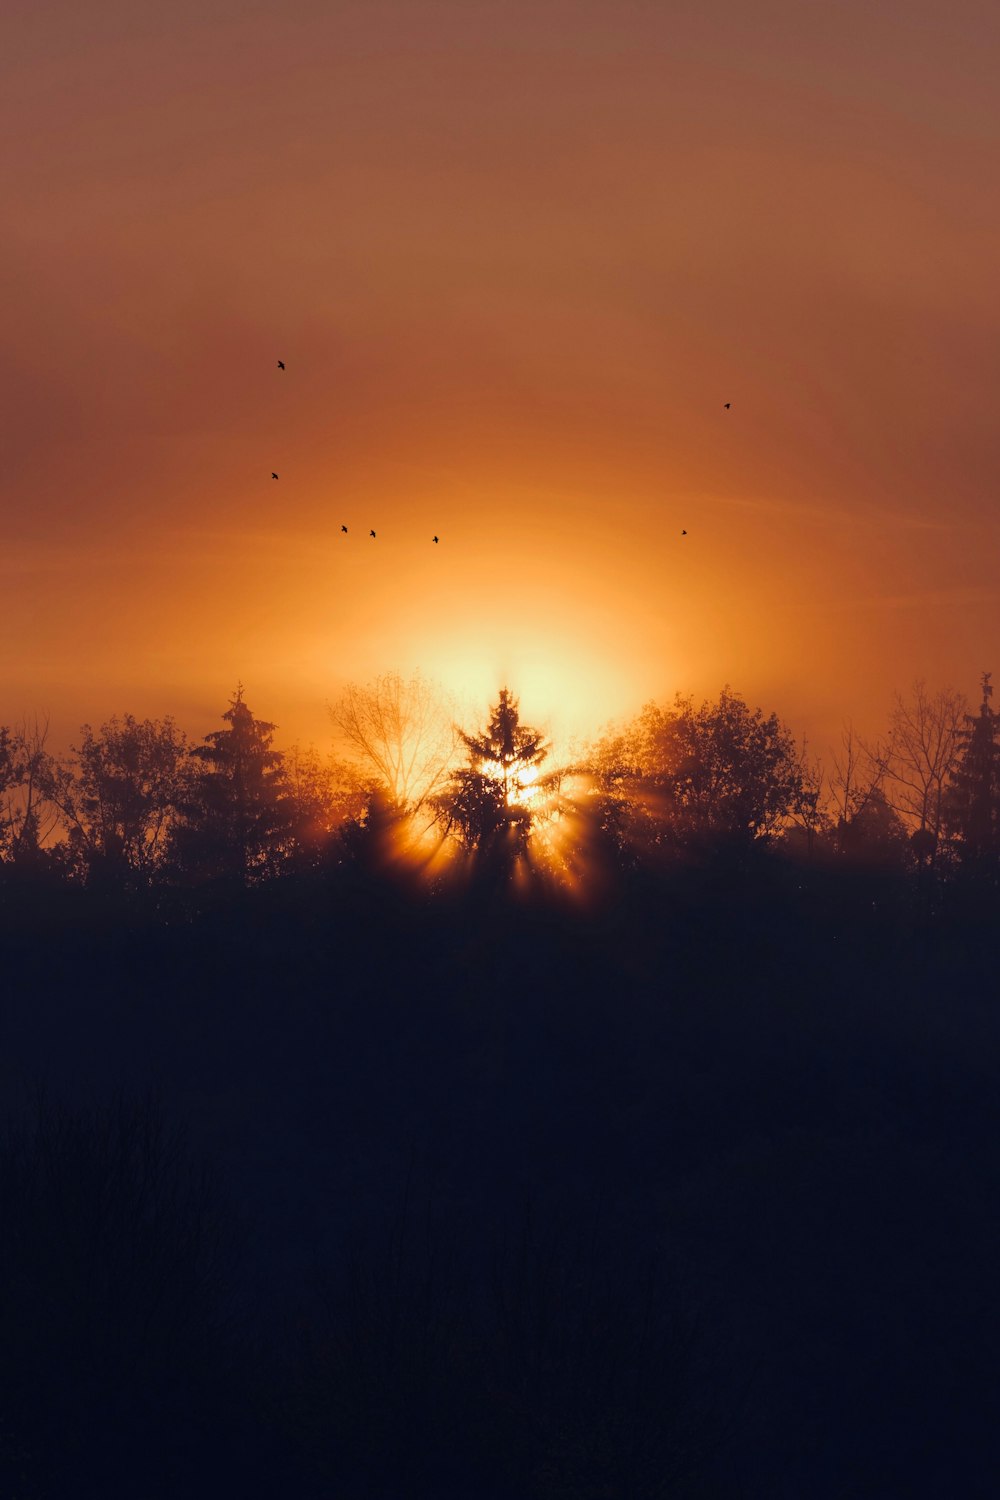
x=119 y=794
x=720 y=772
x=740 y=773
x=237 y=819
x=972 y=799
x=859 y=774
x=28 y=814
x=323 y=795
x=875 y=836
x=488 y=801
x=7 y=781
x=400 y=730
x=808 y=817
x=925 y=732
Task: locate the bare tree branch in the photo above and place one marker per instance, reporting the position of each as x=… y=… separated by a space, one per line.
x=925 y=743
x=401 y=729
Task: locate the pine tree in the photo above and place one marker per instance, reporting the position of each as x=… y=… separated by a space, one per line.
x=486 y=800
x=238 y=819
x=973 y=800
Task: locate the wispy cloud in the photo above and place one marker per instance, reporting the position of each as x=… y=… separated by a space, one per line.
x=183 y=548
x=923 y=599
x=837 y=515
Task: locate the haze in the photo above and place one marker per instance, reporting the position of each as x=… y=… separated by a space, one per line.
x=516 y=259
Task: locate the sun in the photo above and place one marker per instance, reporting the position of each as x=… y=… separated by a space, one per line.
x=519 y=778
x=525 y=788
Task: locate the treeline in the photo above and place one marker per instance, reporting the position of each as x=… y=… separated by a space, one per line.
x=687 y=1192
x=137 y=806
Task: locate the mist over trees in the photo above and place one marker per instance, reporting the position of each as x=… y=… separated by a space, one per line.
x=136 y=806
x=400 y=734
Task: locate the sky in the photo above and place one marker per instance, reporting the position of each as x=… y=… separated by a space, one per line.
x=516 y=258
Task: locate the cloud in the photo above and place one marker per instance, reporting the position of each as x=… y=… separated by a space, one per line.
x=832 y=515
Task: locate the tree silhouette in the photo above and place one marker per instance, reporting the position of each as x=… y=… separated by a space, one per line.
x=400 y=730
x=323 y=795
x=716 y=773
x=7 y=778
x=923 y=752
x=237 y=821
x=28 y=814
x=119 y=794
x=875 y=835
x=739 y=773
x=972 y=802
x=488 y=801
x=859 y=773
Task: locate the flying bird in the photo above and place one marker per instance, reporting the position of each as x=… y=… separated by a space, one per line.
x=371 y=533
x=437 y=539
x=344 y=530
x=683 y=533
x=727 y=404
x=273 y=474
x=281 y=364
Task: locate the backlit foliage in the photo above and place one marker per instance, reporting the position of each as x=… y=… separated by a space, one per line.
x=717 y=771
x=489 y=801
x=399 y=732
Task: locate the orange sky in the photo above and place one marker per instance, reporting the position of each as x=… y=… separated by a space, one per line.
x=515 y=258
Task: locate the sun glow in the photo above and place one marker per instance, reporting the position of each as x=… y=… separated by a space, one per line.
x=558 y=852
x=519 y=779
x=525 y=788
x=503 y=812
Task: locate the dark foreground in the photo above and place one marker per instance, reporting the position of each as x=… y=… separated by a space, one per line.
x=339 y=1190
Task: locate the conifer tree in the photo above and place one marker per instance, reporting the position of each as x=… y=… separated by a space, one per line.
x=973 y=801
x=238 y=819
x=485 y=800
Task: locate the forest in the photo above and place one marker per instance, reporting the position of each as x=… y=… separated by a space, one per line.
x=439 y=1116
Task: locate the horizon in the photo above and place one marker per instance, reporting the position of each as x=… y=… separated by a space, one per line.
x=198 y=717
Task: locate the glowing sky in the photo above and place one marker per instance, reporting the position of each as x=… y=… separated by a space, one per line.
x=516 y=257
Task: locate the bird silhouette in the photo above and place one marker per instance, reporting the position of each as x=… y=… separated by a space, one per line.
x=281 y=364
x=727 y=404
x=344 y=530
x=371 y=533
x=437 y=539
x=683 y=533
x=273 y=474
